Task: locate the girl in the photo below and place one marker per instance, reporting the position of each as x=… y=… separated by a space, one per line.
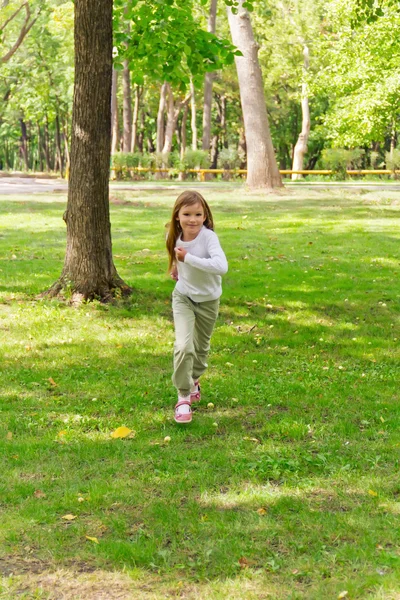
x=196 y=263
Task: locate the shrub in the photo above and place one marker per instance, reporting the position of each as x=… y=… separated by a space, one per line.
x=393 y=159
x=229 y=158
x=195 y=159
x=341 y=159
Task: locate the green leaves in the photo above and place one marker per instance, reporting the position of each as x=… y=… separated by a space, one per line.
x=164 y=40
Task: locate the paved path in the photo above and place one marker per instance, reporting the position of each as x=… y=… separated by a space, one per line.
x=30 y=185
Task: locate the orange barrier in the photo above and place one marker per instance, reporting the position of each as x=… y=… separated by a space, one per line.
x=203 y=172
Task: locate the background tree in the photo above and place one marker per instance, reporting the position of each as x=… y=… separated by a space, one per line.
x=262 y=169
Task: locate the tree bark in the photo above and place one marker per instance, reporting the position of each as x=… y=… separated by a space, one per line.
x=127 y=108
x=88 y=269
x=208 y=85
x=301 y=146
x=262 y=169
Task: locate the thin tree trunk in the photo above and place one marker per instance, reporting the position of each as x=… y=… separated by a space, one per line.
x=302 y=143
x=88 y=268
x=393 y=138
x=40 y=148
x=114 y=112
x=138 y=94
x=66 y=146
x=223 y=122
x=160 y=118
x=183 y=139
x=141 y=130
x=262 y=169
x=208 y=85
x=24 y=144
x=242 y=149
x=193 y=121
x=172 y=117
x=58 y=146
x=127 y=108
x=214 y=151
x=184 y=131
x=47 y=145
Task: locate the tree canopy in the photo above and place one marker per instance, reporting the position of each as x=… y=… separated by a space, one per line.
x=352 y=79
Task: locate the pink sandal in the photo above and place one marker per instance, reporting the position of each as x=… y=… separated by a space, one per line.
x=182 y=418
x=195 y=396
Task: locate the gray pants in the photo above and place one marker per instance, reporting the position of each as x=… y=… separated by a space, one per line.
x=194 y=323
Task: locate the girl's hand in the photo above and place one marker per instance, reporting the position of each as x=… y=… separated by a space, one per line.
x=174 y=273
x=180 y=253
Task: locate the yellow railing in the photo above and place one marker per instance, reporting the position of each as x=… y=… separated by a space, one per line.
x=203 y=172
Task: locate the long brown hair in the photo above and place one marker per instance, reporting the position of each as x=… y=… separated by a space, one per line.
x=187 y=198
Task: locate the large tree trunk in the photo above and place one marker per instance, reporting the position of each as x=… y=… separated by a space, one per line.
x=88 y=268
x=302 y=143
x=208 y=85
x=127 y=108
x=262 y=169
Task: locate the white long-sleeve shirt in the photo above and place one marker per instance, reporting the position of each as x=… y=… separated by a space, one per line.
x=199 y=276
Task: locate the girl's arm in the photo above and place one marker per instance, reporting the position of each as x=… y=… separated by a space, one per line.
x=174 y=272
x=216 y=264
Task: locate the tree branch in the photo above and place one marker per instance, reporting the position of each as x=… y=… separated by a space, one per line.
x=26 y=27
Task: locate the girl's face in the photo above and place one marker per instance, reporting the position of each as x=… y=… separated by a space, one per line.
x=191 y=219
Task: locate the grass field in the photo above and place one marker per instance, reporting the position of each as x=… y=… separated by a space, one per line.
x=288 y=488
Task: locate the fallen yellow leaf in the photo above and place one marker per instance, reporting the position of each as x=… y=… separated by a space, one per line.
x=372 y=493
x=69 y=517
x=9 y=435
x=61 y=433
x=52 y=382
x=261 y=511
x=92 y=539
x=121 y=432
x=343 y=595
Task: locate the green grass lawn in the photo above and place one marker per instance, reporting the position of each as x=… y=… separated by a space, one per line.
x=288 y=488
